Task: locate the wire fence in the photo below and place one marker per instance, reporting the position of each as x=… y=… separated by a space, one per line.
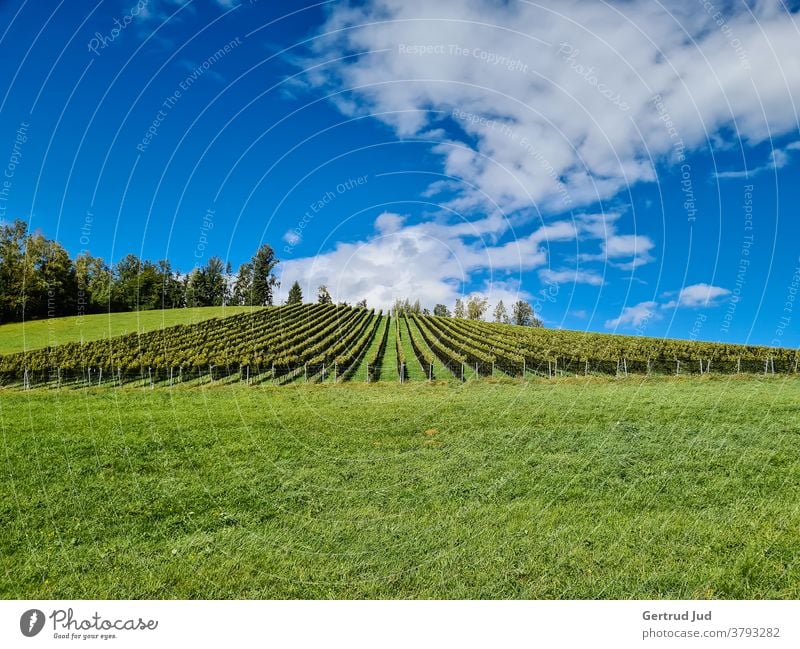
x=277 y=374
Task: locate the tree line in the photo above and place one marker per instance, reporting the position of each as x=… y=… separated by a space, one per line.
x=475 y=307
x=39 y=279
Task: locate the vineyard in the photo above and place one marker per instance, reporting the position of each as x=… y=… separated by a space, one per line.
x=330 y=343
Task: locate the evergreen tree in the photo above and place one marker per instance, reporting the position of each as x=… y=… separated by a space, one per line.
x=295 y=294
x=264 y=280
x=243 y=285
x=458 y=310
x=441 y=310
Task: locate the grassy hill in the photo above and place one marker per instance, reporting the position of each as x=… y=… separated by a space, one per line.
x=679 y=487
x=35 y=334
x=317 y=342
x=546 y=478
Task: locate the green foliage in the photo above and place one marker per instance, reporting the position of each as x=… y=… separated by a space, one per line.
x=38 y=279
x=501 y=314
x=295 y=294
x=323 y=296
x=243 y=285
x=295 y=334
x=523 y=315
x=476 y=307
x=441 y=310
x=207 y=285
x=264 y=280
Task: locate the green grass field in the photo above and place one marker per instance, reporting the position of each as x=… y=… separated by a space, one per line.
x=21 y=336
x=572 y=488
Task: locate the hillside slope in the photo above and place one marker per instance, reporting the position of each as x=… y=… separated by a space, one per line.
x=326 y=342
x=35 y=334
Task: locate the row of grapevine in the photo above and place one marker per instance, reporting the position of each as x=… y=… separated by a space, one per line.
x=505 y=355
x=320 y=342
x=421 y=351
x=446 y=354
x=374 y=359
x=349 y=360
x=401 y=356
x=482 y=360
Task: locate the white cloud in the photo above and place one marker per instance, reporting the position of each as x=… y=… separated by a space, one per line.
x=623 y=251
x=389 y=222
x=292 y=237
x=567 y=276
x=430 y=261
x=635 y=316
x=555 y=99
x=698 y=295
x=778 y=159
x=538 y=109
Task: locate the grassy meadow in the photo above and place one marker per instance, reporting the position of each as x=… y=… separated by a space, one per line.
x=34 y=334
x=572 y=488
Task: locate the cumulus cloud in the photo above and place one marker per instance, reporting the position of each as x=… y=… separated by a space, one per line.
x=554 y=103
x=635 y=316
x=434 y=260
x=429 y=260
x=540 y=109
x=388 y=222
x=698 y=295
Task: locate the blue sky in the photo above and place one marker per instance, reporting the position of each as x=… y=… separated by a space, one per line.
x=627 y=167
